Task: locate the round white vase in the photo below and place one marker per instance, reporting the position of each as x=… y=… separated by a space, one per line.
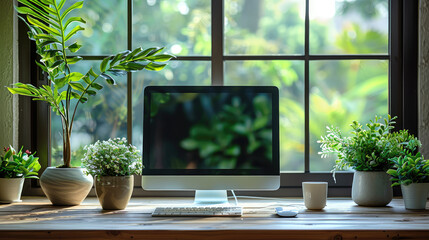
x=65 y=186
x=11 y=189
x=372 y=188
x=415 y=195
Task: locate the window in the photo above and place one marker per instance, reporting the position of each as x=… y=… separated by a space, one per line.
x=334 y=61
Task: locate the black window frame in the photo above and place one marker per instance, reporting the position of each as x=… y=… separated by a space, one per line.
x=34 y=120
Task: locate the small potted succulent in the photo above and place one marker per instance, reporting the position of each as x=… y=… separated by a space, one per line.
x=14 y=168
x=368 y=151
x=113 y=163
x=411 y=172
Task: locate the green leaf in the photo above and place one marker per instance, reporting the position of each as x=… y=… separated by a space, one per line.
x=20 y=91
x=133 y=53
x=61 y=4
x=77 y=86
x=160 y=57
x=74 y=47
x=73 y=32
x=74 y=76
x=92 y=73
x=145 y=53
x=91 y=92
x=71 y=8
x=43 y=26
x=73 y=60
x=42 y=16
x=96 y=86
x=155 y=67
x=103 y=64
x=73 y=19
x=108 y=78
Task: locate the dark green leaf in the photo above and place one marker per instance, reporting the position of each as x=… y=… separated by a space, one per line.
x=118 y=72
x=108 y=78
x=133 y=53
x=91 y=92
x=145 y=52
x=96 y=86
x=73 y=60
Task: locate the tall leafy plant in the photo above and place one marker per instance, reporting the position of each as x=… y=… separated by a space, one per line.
x=52 y=27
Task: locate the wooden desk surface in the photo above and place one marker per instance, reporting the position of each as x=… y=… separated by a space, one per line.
x=35 y=218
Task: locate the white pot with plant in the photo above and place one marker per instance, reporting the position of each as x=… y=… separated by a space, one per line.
x=51 y=27
x=14 y=168
x=368 y=151
x=411 y=172
x=113 y=163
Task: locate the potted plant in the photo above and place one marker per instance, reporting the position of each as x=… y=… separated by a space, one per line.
x=412 y=173
x=51 y=27
x=113 y=163
x=14 y=168
x=368 y=151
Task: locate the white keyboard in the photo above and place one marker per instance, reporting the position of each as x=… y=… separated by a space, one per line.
x=217 y=211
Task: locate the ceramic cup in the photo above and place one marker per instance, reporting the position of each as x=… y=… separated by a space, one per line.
x=315 y=194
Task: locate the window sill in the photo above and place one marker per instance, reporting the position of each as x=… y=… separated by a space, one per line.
x=36 y=218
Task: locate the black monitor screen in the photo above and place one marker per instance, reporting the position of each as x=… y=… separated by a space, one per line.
x=211 y=130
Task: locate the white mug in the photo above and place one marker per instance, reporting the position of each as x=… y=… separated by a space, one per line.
x=315 y=194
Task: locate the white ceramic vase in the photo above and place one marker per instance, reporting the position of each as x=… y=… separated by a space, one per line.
x=415 y=195
x=11 y=189
x=371 y=188
x=65 y=186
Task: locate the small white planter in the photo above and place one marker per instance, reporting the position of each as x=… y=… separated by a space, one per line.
x=415 y=195
x=11 y=189
x=371 y=188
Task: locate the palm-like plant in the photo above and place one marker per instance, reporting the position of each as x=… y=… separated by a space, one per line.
x=51 y=27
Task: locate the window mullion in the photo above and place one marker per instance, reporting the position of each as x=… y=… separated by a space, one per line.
x=306 y=90
x=129 y=75
x=217 y=42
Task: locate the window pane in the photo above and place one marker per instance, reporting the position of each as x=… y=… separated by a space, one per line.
x=288 y=76
x=182 y=26
x=264 y=27
x=341 y=92
x=175 y=74
x=103 y=116
x=349 y=27
x=105 y=28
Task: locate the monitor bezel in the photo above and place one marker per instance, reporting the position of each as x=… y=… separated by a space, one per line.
x=210 y=89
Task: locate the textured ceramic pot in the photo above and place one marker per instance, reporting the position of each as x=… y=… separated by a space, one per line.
x=415 y=195
x=114 y=192
x=65 y=186
x=11 y=189
x=371 y=188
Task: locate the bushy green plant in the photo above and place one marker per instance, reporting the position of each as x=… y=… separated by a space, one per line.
x=18 y=165
x=51 y=27
x=368 y=149
x=113 y=157
x=409 y=169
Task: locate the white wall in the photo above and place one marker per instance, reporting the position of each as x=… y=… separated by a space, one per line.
x=424 y=76
x=8 y=74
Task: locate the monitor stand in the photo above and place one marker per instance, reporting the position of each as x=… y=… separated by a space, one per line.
x=210 y=197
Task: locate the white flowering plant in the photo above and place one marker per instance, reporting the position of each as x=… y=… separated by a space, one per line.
x=114 y=157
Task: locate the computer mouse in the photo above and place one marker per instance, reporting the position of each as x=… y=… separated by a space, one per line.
x=286 y=212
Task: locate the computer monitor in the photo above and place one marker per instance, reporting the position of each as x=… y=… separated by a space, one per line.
x=207 y=138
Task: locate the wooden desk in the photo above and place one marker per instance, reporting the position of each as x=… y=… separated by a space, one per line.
x=35 y=218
